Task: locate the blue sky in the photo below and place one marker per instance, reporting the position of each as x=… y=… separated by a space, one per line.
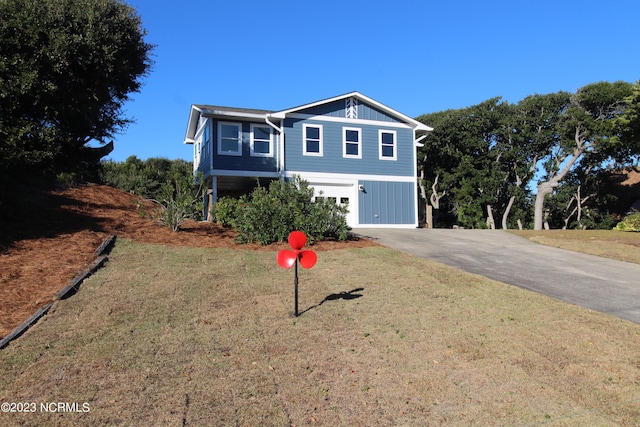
x=414 y=56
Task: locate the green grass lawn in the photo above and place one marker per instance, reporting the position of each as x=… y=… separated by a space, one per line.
x=206 y=337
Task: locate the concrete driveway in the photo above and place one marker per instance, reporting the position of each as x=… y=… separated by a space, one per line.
x=597 y=283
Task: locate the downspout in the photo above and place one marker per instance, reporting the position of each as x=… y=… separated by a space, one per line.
x=280 y=131
x=417 y=144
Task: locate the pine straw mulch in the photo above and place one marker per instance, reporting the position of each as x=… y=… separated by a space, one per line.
x=45 y=249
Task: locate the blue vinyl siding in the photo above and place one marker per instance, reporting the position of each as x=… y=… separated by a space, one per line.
x=246 y=162
x=332 y=160
x=386 y=203
x=338 y=109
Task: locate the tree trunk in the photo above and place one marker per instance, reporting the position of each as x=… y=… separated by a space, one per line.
x=435 y=200
x=490 y=221
x=544 y=188
x=505 y=215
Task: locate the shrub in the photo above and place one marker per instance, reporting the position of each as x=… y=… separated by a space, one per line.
x=180 y=200
x=269 y=215
x=630 y=223
x=226 y=211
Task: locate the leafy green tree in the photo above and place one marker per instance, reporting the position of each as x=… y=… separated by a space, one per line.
x=132 y=176
x=534 y=133
x=482 y=160
x=627 y=125
x=586 y=133
x=66 y=69
x=463 y=161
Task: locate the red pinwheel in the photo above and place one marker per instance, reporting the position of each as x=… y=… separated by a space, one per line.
x=288 y=258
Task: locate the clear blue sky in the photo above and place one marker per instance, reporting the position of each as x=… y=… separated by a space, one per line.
x=415 y=56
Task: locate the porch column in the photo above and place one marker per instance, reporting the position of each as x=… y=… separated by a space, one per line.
x=212 y=198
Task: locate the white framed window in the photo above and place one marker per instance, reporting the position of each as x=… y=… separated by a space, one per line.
x=312 y=140
x=230 y=139
x=352 y=143
x=388 y=145
x=261 y=141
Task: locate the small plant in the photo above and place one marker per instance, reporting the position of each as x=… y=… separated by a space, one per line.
x=178 y=203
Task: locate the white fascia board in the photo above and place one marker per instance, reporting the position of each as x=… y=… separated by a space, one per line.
x=234 y=114
x=192 y=125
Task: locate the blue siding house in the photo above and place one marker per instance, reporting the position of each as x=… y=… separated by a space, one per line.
x=349 y=147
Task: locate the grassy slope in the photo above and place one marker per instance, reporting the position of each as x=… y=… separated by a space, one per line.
x=179 y=336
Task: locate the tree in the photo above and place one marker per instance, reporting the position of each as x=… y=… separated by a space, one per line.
x=66 y=69
x=463 y=162
x=586 y=126
x=627 y=125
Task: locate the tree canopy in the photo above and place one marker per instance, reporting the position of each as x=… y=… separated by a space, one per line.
x=543 y=159
x=66 y=69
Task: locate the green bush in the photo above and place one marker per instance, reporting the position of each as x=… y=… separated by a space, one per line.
x=630 y=223
x=269 y=215
x=179 y=198
x=226 y=211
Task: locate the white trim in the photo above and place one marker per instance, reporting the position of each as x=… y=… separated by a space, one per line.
x=337 y=178
x=358 y=225
x=192 y=125
x=237 y=153
x=252 y=140
x=233 y=114
x=352 y=122
x=395 y=145
x=345 y=142
x=304 y=140
x=243 y=173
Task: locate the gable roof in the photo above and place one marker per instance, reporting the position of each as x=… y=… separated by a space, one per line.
x=360 y=97
x=198 y=110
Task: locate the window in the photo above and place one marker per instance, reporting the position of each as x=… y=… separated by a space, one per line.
x=230 y=139
x=351 y=143
x=387 y=145
x=312 y=140
x=261 y=142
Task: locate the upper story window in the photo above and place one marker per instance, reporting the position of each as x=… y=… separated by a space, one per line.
x=352 y=143
x=312 y=140
x=261 y=141
x=388 y=149
x=229 y=139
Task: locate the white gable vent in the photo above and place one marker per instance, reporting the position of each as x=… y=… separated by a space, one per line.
x=351 y=108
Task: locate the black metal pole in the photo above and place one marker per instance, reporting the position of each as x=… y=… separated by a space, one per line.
x=295 y=285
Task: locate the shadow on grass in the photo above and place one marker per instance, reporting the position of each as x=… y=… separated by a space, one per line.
x=342 y=295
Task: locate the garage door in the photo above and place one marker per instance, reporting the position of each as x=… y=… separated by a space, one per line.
x=343 y=195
